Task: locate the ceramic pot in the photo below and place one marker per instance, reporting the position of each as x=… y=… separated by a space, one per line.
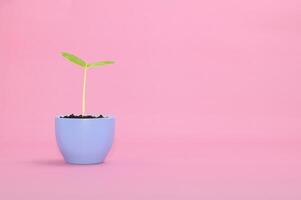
x=84 y=141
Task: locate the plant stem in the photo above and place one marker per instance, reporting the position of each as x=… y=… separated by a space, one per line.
x=84 y=92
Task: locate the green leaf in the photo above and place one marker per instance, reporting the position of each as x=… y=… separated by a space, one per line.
x=74 y=59
x=100 y=63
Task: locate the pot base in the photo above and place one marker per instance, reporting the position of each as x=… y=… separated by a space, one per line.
x=86 y=162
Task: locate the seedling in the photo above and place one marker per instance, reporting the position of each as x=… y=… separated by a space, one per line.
x=85 y=66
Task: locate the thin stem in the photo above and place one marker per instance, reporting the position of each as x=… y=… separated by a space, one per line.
x=84 y=92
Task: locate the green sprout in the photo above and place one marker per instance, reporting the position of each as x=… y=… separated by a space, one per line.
x=85 y=66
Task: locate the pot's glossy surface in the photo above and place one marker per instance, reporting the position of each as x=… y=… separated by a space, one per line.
x=84 y=141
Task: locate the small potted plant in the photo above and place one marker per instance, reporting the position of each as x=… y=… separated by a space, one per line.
x=84 y=139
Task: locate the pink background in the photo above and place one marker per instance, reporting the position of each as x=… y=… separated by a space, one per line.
x=206 y=96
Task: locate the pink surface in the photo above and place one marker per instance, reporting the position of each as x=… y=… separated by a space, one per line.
x=206 y=96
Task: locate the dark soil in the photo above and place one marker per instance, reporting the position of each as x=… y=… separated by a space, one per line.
x=72 y=116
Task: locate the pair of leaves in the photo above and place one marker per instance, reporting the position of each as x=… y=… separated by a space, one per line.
x=82 y=63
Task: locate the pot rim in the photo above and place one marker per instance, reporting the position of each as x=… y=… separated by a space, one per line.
x=106 y=117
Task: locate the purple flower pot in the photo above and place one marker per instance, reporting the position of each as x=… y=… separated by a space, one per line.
x=84 y=141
